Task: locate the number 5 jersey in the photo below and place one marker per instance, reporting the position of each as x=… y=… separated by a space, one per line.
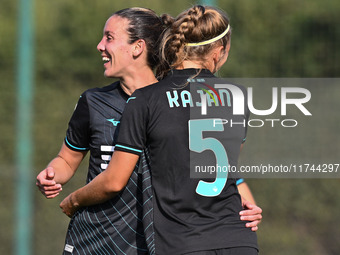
x=193 y=125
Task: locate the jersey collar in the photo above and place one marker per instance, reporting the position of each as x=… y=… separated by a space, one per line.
x=192 y=71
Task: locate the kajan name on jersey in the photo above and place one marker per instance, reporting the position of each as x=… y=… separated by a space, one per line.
x=185 y=98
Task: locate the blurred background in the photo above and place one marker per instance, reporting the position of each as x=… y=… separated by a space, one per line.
x=279 y=38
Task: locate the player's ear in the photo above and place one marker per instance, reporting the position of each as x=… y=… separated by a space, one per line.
x=139 y=47
x=218 y=53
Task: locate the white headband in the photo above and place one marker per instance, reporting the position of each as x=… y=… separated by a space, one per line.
x=211 y=40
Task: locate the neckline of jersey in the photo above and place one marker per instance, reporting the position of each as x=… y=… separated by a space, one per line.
x=192 y=71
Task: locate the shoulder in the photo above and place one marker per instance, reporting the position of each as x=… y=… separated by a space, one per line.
x=111 y=94
x=234 y=82
x=112 y=87
x=169 y=81
x=150 y=91
x=235 y=88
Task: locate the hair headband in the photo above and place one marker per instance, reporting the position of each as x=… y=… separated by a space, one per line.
x=211 y=40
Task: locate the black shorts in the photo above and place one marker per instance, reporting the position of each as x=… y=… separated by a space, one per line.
x=227 y=251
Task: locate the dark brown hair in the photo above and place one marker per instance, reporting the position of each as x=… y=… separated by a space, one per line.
x=147 y=25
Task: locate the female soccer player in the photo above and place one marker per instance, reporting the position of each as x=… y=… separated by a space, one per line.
x=114 y=227
x=114 y=68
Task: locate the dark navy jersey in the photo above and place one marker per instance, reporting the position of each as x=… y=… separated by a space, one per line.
x=118 y=226
x=190 y=214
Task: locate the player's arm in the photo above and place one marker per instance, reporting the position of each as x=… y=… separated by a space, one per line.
x=251 y=212
x=244 y=189
x=245 y=193
x=104 y=186
x=76 y=144
x=59 y=171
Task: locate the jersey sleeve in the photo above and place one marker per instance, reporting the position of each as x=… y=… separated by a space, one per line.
x=239 y=181
x=132 y=131
x=78 y=134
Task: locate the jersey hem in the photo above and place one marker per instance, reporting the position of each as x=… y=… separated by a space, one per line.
x=195 y=249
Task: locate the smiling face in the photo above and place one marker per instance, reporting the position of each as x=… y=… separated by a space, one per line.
x=115 y=50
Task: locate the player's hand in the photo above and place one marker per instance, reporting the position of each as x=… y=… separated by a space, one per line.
x=68 y=207
x=251 y=213
x=46 y=183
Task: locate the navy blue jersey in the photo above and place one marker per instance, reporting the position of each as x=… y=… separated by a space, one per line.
x=118 y=226
x=190 y=214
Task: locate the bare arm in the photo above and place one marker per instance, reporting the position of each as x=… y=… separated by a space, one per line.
x=245 y=192
x=251 y=211
x=105 y=186
x=59 y=171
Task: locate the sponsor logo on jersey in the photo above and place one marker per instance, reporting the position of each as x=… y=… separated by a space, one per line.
x=114 y=122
